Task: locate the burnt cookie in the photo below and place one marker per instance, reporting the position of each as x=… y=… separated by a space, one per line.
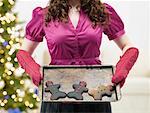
x=100 y=91
x=54 y=90
x=79 y=89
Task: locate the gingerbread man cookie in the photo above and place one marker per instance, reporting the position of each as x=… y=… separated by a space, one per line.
x=100 y=91
x=54 y=90
x=79 y=89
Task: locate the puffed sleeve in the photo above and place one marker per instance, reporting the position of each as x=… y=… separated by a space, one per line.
x=115 y=27
x=34 y=29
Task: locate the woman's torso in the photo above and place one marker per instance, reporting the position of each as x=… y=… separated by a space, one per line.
x=76 y=42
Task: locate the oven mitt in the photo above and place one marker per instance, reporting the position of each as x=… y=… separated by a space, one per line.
x=30 y=66
x=124 y=65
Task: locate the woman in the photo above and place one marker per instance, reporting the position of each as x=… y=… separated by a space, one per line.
x=73 y=30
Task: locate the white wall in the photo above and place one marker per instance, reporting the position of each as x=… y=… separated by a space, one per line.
x=135 y=15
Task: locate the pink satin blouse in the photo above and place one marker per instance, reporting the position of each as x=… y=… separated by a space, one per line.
x=73 y=46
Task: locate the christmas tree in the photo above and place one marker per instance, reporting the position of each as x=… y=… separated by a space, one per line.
x=15 y=86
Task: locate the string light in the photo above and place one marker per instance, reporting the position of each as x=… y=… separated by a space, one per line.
x=3 y=22
x=5 y=101
x=9 y=72
x=1 y=3
x=11 y=42
x=8 y=30
x=22 y=82
x=13 y=96
x=17 y=39
x=15 y=59
x=4 y=75
x=2 y=40
x=11 y=82
x=12 y=69
x=21 y=93
x=4 y=93
x=1 y=30
x=20 y=99
x=38 y=99
x=2 y=104
x=34 y=95
x=31 y=90
x=27 y=103
x=31 y=105
x=15 y=99
x=11 y=2
x=9 y=59
x=12 y=37
x=8 y=65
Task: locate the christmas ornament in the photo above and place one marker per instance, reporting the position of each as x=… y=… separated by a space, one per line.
x=5 y=43
x=16 y=110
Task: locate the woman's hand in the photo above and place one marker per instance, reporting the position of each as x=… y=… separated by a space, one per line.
x=27 y=62
x=127 y=60
x=124 y=65
x=30 y=66
x=37 y=78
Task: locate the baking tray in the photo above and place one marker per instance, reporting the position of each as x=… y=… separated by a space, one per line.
x=96 y=78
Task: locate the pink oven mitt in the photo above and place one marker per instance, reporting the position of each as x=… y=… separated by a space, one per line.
x=124 y=65
x=30 y=66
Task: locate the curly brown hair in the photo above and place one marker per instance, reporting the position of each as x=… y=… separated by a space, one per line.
x=95 y=9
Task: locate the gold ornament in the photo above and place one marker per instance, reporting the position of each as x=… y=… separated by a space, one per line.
x=2 y=60
x=7 y=77
x=6 y=70
x=1 y=51
x=11 y=42
x=8 y=47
